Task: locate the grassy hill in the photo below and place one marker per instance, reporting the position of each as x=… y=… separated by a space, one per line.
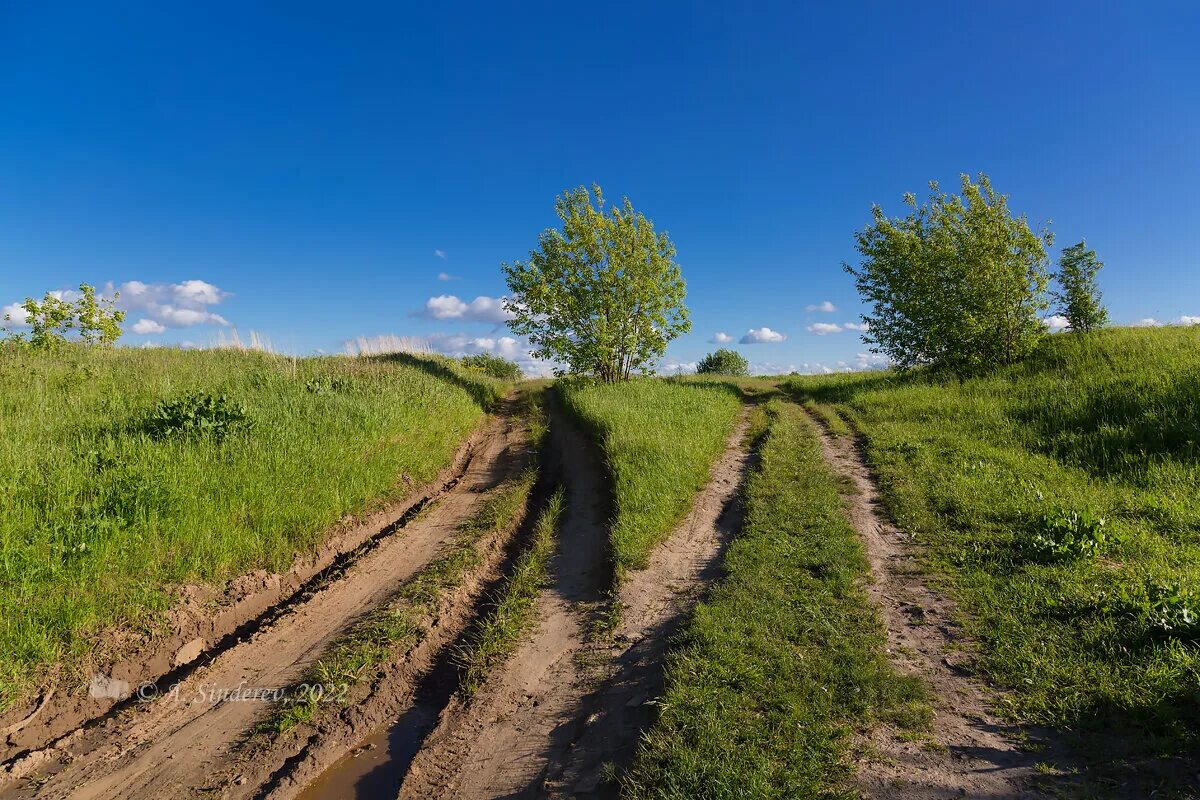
x=126 y=472
x=1059 y=502
x=659 y=440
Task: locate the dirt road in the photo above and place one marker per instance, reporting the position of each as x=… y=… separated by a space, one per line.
x=974 y=754
x=568 y=700
x=168 y=748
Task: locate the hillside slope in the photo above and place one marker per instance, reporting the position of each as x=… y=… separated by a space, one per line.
x=124 y=475
x=1059 y=502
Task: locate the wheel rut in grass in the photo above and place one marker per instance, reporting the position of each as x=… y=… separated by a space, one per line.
x=172 y=746
x=972 y=753
x=571 y=700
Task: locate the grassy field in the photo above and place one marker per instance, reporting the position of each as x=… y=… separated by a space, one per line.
x=785 y=657
x=659 y=440
x=125 y=472
x=1059 y=501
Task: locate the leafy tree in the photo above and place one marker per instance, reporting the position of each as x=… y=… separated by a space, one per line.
x=1078 y=297
x=724 y=362
x=603 y=296
x=959 y=283
x=53 y=319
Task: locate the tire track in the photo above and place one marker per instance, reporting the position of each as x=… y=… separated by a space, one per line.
x=564 y=704
x=169 y=747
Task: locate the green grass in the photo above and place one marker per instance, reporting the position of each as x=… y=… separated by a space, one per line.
x=659 y=440
x=405 y=620
x=785 y=657
x=512 y=614
x=986 y=471
x=830 y=418
x=103 y=510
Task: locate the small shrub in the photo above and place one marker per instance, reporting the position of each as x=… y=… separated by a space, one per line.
x=724 y=362
x=1066 y=534
x=198 y=414
x=1173 y=608
x=492 y=365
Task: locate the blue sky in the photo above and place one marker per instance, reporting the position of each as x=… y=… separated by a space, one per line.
x=309 y=163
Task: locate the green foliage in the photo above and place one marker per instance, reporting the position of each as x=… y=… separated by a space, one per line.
x=1173 y=608
x=786 y=657
x=1078 y=296
x=1068 y=534
x=603 y=296
x=1106 y=422
x=53 y=319
x=659 y=440
x=493 y=365
x=724 y=362
x=198 y=414
x=958 y=283
x=99 y=520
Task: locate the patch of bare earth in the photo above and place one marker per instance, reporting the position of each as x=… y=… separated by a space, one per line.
x=175 y=745
x=969 y=752
x=570 y=702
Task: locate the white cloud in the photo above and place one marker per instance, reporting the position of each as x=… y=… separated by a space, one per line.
x=196 y=293
x=170 y=305
x=771 y=368
x=481 y=309
x=1148 y=322
x=856 y=326
x=720 y=337
x=147 y=326
x=14 y=315
x=814 y=369
x=160 y=305
x=670 y=366
x=440 y=254
x=824 y=328
x=762 y=336
x=1188 y=320
x=453 y=344
x=870 y=361
x=1057 y=323
x=825 y=307
x=446 y=276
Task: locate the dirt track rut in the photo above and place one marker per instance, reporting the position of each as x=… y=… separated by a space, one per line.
x=167 y=748
x=975 y=755
x=566 y=703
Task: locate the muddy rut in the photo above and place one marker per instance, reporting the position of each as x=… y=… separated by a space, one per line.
x=975 y=754
x=569 y=701
x=170 y=747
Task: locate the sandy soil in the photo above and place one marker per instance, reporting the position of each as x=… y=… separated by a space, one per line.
x=567 y=702
x=170 y=747
x=972 y=753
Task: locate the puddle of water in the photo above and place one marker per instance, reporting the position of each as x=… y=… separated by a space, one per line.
x=382 y=760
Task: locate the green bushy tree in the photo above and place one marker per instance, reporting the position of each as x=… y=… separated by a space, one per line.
x=1078 y=297
x=496 y=366
x=724 y=362
x=52 y=320
x=959 y=283
x=604 y=295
